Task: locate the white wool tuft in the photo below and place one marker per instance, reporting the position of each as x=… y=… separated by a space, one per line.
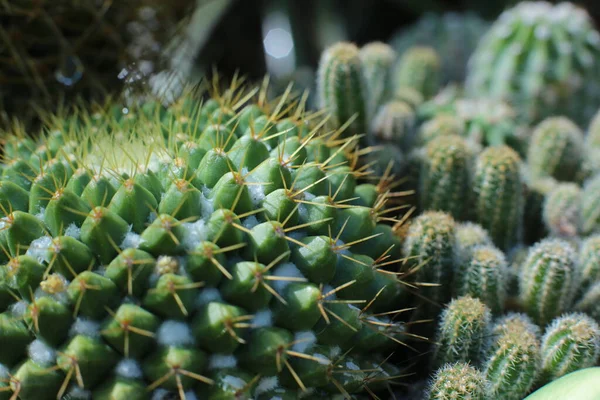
x=175 y=333
x=41 y=214
x=250 y=222
x=208 y=295
x=207 y=204
x=195 y=233
x=74 y=231
x=85 y=327
x=262 y=318
x=41 y=353
x=303 y=341
x=18 y=309
x=234 y=382
x=266 y=384
x=38 y=249
x=132 y=240
x=257 y=194
x=220 y=361
x=129 y=368
x=286 y=269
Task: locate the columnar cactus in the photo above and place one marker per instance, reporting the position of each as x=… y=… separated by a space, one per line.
x=537 y=191
x=463 y=332
x=498 y=195
x=589 y=207
x=556 y=150
x=588 y=263
x=419 y=69
x=561 y=210
x=512 y=363
x=547 y=280
x=340 y=87
x=542 y=58
x=570 y=343
x=377 y=60
x=441 y=125
x=394 y=122
x=458 y=381
x=469 y=236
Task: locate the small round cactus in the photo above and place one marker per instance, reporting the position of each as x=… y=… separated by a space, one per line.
x=483 y=276
x=588 y=264
x=394 y=122
x=589 y=302
x=419 y=69
x=458 y=381
x=537 y=191
x=547 y=280
x=445 y=176
x=589 y=208
x=463 y=332
x=377 y=60
x=570 y=342
x=441 y=125
x=341 y=89
x=542 y=58
x=498 y=195
x=512 y=362
x=561 y=210
x=469 y=236
x=556 y=150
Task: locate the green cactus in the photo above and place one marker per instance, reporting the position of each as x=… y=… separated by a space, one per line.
x=570 y=342
x=498 y=195
x=458 y=381
x=445 y=176
x=463 y=332
x=419 y=68
x=589 y=301
x=341 y=89
x=542 y=58
x=513 y=358
x=556 y=150
x=537 y=191
x=468 y=236
x=561 y=210
x=394 y=122
x=441 y=125
x=194 y=257
x=590 y=216
x=588 y=263
x=547 y=281
x=377 y=59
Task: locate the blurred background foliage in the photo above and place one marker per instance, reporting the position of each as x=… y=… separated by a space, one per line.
x=56 y=53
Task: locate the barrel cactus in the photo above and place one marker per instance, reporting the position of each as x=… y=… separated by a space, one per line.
x=205 y=249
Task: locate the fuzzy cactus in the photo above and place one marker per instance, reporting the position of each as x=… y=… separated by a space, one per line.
x=419 y=69
x=458 y=381
x=570 y=342
x=377 y=60
x=537 y=190
x=589 y=302
x=588 y=263
x=561 y=210
x=513 y=358
x=441 y=125
x=341 y=89
x=394 y=122
x=498 y=195
x=547 y=280
x=590 y=214
x=541 y=57
x=556 y=150
x=209 y=248
x=468 y=236
x=463 y=332
x=445 y=176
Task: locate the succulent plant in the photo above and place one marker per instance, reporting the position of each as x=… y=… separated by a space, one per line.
x=207 y=248
x=377 y=59
x=590 y=216
x=458 y=381
x=469 y=236
x=562 y=209
x=394 y=122
x=543 y=59
x=418 y=69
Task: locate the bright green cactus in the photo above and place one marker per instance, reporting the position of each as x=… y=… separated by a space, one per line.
x=570 y=342
x=341 y=88
x=445 y=176
x=561 y=210
x=458 y=381
x=547 y=281
x=513 y=358
x=419 y=68
x=463 y=332
x=211 y=249
x=542 y=58
x=498 y=195
x=377 y=60
x=590 y=214
x=556 y=150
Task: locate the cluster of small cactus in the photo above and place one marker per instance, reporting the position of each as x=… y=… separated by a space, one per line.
x=218 y=248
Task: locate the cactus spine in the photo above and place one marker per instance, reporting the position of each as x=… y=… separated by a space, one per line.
x=458 y=381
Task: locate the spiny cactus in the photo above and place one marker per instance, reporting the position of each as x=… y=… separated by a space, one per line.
x=561 y=211
x=556 y=150
x=498 y=195
x=547 y=280
x=377 y=60
x=570 y=343
x=543 y=59
x=483 y=276
x=463 y=332
x=445 y=176
x=453 y=35
x=441 y=125
x=589 y=302
x=208 y=248
x=513 y=358
x=394 y=122
x=589 y=207
x=419 y=69
x=468 y=236
x=537 y=191
x=588 y=263
x=340 y=87
x=458 y=381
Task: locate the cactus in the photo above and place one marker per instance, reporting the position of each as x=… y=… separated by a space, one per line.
x=445 y=176
x=469 y=236
x=561 y=212
x=498 y=195
x=441 y=125
x=341 y=89
x=453 y=35
x=588 y=263
x=194 y=249
x=570 y=342
x=589 y=302
x=537 y=191
x=547 y=281
x=394 y=122
x=377 y=59
x=556 y=150
x=516 y=61
x=458 y=381
x=419 y=69
x=463 y=332
x=590 y=216
x=512 y=362
x=483 y=276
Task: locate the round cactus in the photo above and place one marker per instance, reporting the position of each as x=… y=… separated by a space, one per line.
x=419 y=69
x=588 y=263
x=394 y=122
x=498 y=195
x=590 y=214
x=537 y=190
x=589 y=302
x=542 y=58
x=561 y=210
x=377 y=60
x=458 y=381
x=469 y=236
x=441 y=125
x=208 y=248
